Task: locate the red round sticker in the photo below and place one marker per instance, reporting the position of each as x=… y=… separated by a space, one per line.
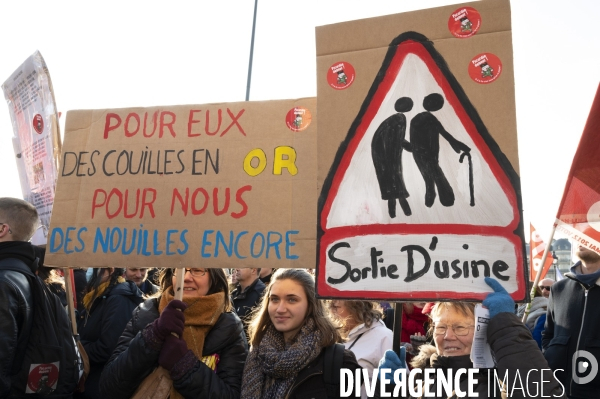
x=464 y=22
x=38 y=123
x=340 y=75
x=298 y=119
x=485 y=68
x=42 y=379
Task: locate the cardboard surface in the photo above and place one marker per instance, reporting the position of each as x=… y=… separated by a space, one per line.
x=217 y=185
x=417 y=156
x=36 y=136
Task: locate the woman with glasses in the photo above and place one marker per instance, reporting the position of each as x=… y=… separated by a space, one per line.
x=198 y=343
x=513 y=349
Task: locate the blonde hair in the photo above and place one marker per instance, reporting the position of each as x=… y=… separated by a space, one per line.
x=260 y=319
x=467 y=309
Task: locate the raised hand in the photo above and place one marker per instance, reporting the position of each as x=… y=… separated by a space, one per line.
x=498 y=301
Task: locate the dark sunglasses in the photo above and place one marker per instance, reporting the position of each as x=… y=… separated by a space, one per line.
x=545 y=287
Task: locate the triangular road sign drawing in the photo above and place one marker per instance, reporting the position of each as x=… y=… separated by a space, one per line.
x=421 y=187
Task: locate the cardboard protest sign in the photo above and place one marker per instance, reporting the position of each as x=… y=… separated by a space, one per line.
x=36 y=140
x=579 y=213
x=418 y=167
x=217 y=185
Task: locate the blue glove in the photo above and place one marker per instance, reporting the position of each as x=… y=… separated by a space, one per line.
x=498 y=301
x=391 y=361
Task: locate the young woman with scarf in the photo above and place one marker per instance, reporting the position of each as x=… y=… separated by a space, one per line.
x=198 y=342
x=289 y=335
x=108 y=304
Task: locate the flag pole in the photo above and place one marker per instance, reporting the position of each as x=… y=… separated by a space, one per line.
x=251 y=52
x=397 y=331
x=68 y=275
x=179 y=283
x=539 y=274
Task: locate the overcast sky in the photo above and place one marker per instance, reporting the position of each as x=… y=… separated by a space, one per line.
x=113 y=54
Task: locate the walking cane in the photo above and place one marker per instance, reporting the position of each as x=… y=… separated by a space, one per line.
x=471 y=190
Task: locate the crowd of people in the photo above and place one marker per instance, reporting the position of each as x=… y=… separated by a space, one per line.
x=263 y=333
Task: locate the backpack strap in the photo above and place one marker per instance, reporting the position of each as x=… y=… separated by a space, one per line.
x=334 y=358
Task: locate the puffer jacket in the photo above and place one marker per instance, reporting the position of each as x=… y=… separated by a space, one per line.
x=16 y=316
x=133 y=359
x=539 y=306
x=517 y=357
x=101 y=327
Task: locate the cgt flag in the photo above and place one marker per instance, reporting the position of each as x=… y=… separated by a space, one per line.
x=536 y=251
x=579 y=212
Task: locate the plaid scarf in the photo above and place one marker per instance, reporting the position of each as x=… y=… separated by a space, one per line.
x=271 y=368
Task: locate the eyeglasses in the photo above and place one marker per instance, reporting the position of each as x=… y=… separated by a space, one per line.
x=458 y=329
x=193 y=272
x=544 y=287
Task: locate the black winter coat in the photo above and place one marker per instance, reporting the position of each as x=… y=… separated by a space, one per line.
x=16 y=314
x=309 y=382
x=572 y=324
x=517 y=356
x=134 y=360
x=101 y=328
x=245 y=301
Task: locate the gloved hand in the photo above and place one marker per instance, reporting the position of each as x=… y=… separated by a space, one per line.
x=171 y=319
x=172 y=351
x=498 y=301
x=391 y=361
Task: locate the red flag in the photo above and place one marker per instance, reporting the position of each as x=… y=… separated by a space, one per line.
x=536 y=251
x=579 y=212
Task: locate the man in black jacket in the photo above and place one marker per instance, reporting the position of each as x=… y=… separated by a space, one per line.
x=18 y=222
x=571 y=339
x=248 y=292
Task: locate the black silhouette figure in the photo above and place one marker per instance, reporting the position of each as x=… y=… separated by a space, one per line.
x=425 y=131
x=386 y=150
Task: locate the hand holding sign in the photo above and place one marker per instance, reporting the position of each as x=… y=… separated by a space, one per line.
x=171 y=320
x=498 y=301
x=392 y=361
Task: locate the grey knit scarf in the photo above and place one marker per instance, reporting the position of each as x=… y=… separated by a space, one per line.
x=271 y=368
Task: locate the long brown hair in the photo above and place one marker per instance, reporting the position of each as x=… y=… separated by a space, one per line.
x=217 y=283
x=315 y=310
x=366 y=312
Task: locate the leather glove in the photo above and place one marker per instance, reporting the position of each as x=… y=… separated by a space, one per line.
x=173 y=350
x=393 y=362
x=498 y=301
x=171 y=320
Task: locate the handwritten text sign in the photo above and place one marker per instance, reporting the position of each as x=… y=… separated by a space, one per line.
x=420 y=192
x=220 y=185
